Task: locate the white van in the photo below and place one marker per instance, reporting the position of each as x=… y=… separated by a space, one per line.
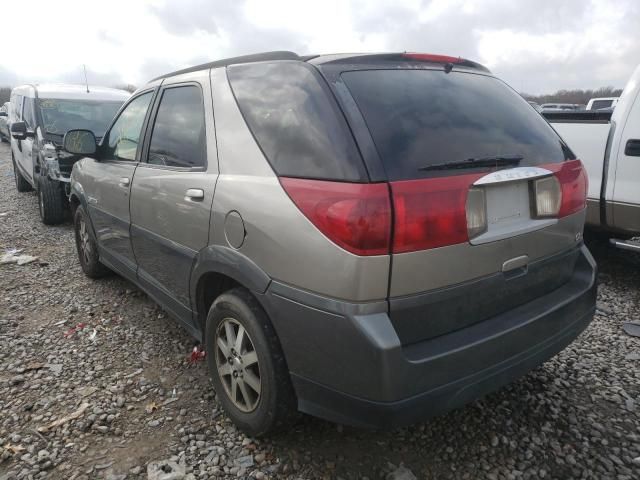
x=39 y=116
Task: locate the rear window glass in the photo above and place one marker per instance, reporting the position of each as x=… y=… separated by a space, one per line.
x=296 y=121
x=421 y=120
x=601 y=104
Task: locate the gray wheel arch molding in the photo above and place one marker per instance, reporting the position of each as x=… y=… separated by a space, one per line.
x=231 y=263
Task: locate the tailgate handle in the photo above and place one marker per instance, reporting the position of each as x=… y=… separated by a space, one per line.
x=515 y=267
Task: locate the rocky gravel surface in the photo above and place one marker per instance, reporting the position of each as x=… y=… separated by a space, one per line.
x=95 y=383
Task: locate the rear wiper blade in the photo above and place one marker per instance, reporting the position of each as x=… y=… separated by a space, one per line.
x=496 y=161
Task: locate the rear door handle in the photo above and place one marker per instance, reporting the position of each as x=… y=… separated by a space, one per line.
x=194 y=194
x=124 y=182
x=632 y=148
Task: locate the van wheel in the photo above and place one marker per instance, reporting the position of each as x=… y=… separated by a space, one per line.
x=247 y=366
x=21 y=183
x=50 y=201
x=87 y=246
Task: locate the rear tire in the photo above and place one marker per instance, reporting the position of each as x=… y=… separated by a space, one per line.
x=50 y=201
x=256 y=361
x=22 y=185
x=87 y=246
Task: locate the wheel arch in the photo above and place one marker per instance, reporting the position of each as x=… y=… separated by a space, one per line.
x=218 y=269
x=76 y=199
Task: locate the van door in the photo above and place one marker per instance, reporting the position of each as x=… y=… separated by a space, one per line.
x=626 y=194
x=172 y=190
x=108 y=182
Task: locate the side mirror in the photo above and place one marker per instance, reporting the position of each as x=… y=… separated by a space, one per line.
x=3 y=114
x=19 y=131
x=80 y=142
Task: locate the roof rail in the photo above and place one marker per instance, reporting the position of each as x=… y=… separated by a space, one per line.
x=257 y=57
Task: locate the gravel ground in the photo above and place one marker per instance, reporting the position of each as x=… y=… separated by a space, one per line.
x=104 y=351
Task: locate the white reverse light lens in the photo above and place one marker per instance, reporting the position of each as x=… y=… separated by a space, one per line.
x=476 y=213
x=548 y=195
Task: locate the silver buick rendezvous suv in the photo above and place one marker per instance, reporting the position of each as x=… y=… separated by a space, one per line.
x=371 y=239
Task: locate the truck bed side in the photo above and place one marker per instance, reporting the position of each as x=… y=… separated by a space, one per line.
x=588 y=140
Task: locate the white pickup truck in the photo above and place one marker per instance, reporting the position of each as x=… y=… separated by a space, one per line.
x=609 y=146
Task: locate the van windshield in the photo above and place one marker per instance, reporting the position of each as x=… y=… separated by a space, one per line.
x=60 y=116
x=423 y=121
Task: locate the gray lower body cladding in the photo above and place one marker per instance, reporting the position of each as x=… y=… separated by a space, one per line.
x=349 y=365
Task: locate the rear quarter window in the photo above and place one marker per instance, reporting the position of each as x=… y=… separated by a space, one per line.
x=419 y=118
x=296 y=121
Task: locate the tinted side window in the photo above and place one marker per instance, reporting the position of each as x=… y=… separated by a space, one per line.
x=124 y=135
x=178 y=138
x=421 y=120
x=296 y=121
x=28 y=113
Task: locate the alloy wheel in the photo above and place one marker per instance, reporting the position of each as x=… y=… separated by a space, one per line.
x=237 y=365
x=85 y=241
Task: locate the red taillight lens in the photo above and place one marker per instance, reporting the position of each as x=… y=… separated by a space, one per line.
x=430 y=212
x=574 y=183
x=356 y=216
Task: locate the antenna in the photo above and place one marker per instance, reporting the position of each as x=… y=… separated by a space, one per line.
x=86 y=82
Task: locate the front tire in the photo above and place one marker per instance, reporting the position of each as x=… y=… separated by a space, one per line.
x=50 y=201
x=86 y=246
x=22 y=185
x=247 y=366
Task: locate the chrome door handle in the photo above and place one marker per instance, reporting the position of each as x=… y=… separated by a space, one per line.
x=194 y=194
x=124 y=182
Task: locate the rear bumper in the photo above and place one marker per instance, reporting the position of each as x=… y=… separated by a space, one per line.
x=348 y=365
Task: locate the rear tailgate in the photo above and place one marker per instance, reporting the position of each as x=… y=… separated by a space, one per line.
x=439 y=136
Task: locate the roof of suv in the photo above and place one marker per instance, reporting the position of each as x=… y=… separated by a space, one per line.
x=71 y=91
x=329 y=58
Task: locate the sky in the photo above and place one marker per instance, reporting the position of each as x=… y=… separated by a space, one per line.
x=537 y=46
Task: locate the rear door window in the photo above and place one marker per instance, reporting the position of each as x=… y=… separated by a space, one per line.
x=296 y=121
x=178 y=138
x=420 y=120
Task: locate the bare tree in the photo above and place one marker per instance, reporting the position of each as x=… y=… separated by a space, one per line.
x=5 y=94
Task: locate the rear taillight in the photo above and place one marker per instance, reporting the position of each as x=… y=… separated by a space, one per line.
x=427 y=213
x=431 y=212
x=355 y=216
x=573 y=184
